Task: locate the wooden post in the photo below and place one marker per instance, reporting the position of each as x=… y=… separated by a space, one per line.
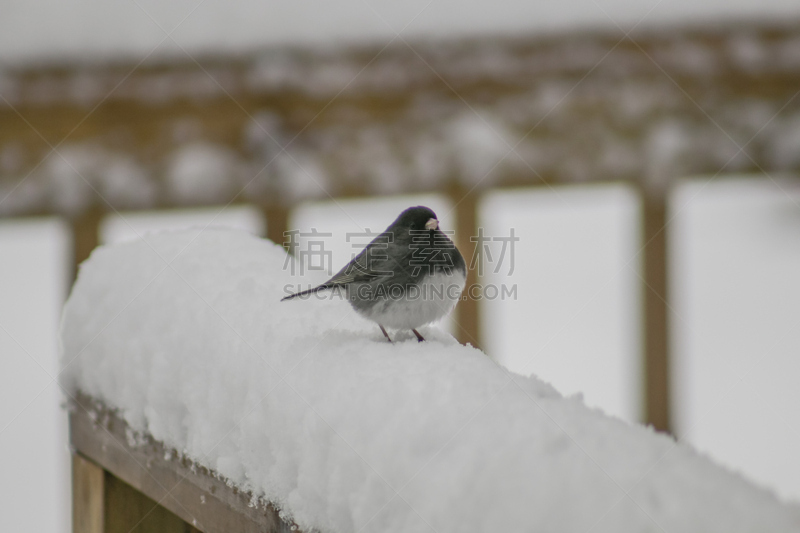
x=129 y=511
x=88 y=488
x=85 y=235
x=656 y=314
x=146 y=487
x=102 y=503
x=277 y=219
x=467 y=312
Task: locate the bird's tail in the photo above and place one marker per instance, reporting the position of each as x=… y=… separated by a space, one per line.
x=319 y=288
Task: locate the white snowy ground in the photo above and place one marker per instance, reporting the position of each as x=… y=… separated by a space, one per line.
x=305 y=403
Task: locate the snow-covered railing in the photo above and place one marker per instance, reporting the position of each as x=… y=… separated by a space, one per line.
x=190 y=378
x=123 y=479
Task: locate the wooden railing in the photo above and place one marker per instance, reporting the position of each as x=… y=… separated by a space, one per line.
x=644 y=109
x=126 y=483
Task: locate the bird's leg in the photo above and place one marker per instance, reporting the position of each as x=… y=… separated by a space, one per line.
x=388 y=338
x=420 y=338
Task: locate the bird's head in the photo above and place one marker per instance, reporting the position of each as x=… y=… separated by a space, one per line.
x=417 y=218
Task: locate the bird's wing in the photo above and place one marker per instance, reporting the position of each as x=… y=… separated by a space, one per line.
x=307 y=291
x=366 y=266
x=344 y=277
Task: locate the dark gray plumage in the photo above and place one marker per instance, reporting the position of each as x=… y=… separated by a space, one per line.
x=408 y=276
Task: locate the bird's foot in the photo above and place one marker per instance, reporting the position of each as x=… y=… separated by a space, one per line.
x=420 y=338
x=388 y=338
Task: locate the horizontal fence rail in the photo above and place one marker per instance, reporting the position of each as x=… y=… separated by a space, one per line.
x=129 y=482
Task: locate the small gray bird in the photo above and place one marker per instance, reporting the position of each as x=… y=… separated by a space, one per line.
x=408 y=276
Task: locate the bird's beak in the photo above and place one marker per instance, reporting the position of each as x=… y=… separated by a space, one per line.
x=432 y=224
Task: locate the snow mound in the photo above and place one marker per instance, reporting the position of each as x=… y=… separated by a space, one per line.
x=303 y=402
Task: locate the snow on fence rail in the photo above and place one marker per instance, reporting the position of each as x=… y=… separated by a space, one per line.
x=305 y=405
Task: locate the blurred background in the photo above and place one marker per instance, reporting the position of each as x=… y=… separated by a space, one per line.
x=645 y=154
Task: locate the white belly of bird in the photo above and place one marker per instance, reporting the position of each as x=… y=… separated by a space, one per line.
x=436 y=296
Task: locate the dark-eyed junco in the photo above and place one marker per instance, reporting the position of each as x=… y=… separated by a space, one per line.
x=408 y=276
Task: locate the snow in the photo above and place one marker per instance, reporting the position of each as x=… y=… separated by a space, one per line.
x=736 y=290
x=305 y=404
x=77 y=175
x=93 y=29
x=202 y=172
x=479 y=146
x=33 y=427
x=118 y=227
